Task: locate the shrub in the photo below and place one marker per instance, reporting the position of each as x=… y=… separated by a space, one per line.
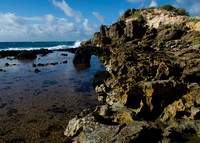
x=180 y=11
x=135 y=15
x=195 y=40
x=195 y=20
x=162 y=40
x=168 y=7
x=140 y=18
x=168 y=25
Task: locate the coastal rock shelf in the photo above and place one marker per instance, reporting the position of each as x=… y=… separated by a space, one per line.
x=150 y=91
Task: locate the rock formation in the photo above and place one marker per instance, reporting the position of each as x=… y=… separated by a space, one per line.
x=150 y=91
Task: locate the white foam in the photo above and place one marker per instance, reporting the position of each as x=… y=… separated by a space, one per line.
x=39 y=48
x=76 y=44
x=57 y=47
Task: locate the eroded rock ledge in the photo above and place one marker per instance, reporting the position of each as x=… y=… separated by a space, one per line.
x=150 y=91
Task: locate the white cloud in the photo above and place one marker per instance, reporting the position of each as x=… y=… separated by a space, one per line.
x=99 y=17
x=191 y=5
x=121 y=12
x=77 y=15
x=90 y=29
x=36 y=18
x=153 y=3
x=135 y=1
x=195 y=9
x=48 y=27
x=144 y=3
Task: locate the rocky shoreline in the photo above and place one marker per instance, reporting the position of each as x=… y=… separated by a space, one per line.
x=150 y=91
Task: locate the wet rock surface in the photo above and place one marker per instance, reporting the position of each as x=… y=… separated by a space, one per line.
x=150 y=89
x=82 y=56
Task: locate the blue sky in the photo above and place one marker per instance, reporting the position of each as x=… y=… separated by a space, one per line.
x=66 y=20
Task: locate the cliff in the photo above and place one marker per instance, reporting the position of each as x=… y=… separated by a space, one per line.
x=150 y=91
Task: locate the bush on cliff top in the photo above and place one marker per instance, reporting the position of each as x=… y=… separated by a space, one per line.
x=180 y=11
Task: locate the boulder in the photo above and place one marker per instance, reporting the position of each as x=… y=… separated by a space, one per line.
x=27 y=55
x=82 y=56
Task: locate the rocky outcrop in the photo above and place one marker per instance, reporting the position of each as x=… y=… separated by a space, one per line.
x=26 y=55
x=82 y=56
x=150 y=90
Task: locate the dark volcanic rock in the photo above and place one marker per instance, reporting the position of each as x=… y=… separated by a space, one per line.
x=82 y=56
x=36 y=70
x=27 y=55
x=64 y=54
x=100 y=77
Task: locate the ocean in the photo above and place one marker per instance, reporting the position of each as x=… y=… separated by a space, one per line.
x=38 y=45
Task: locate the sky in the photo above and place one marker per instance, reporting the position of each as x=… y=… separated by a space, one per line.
x=69 y=20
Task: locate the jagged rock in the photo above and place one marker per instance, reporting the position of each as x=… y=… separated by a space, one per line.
x=95 y=128
x=100 y=77
x=186 y=108
x=27 y=55
x=126 y=14
x=36 y=70
x=134 y=29
x=152 y=75
x=176 y=131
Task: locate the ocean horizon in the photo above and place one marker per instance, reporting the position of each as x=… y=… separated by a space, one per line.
x=37 y=45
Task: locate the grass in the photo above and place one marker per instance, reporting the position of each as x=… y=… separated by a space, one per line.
x=153 y=7
x=168 y=7
x=168 y=25
x=195 y=20
x=135 y=15
x=195 y=40
x=162 y=40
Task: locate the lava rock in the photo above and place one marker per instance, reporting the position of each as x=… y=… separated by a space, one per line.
x=36 y=70
x=82 y=56
x=27 y=55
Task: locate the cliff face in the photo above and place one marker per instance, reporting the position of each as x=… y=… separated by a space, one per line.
x=152 y=75
x=143 y=25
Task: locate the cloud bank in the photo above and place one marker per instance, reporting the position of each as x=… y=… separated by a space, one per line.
x=77 y=15
x=153 y=3
x=47 y=27
x=50 y=28
x=99 y=17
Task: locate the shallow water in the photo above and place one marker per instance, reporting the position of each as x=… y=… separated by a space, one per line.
x=36 y=107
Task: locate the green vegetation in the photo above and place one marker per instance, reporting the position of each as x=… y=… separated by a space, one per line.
x=135 y=15
x=153 y=7
x=180 y=11
x=168 y=25
x=195 y=20
x=162 y=40
x=195 y=40
x=168 y=7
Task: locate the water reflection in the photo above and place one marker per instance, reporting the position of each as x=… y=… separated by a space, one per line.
x=81 y=67
x=30 y=103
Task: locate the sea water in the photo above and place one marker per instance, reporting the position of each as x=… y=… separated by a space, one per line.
x=38 y=45
x=36 y=107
